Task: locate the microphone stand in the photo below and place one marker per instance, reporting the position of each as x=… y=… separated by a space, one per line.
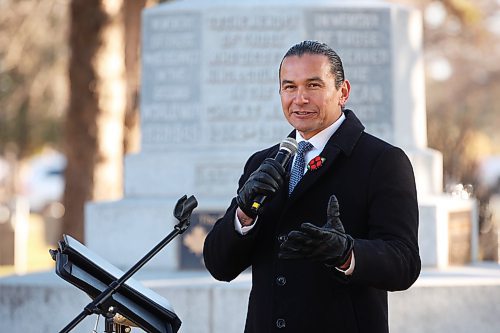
x=182 y=212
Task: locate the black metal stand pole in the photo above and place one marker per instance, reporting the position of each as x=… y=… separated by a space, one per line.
x=182 y=212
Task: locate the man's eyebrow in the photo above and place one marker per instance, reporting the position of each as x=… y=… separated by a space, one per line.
x=286 y=82
x=315 y=78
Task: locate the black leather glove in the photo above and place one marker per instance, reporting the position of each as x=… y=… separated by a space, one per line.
x=265 y=181
x=329 y=243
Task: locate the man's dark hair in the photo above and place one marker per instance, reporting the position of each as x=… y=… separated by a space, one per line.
x=315 y=47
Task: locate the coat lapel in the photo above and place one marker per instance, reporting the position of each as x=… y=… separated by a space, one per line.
x=341 y=142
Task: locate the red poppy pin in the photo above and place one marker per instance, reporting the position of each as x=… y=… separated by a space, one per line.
x=316 y=163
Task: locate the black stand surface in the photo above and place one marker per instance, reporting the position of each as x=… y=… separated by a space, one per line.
x=112 y=290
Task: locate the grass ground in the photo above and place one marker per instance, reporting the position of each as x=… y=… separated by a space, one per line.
x=38 y=258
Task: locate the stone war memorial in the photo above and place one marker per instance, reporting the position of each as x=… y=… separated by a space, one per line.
x=209 y=99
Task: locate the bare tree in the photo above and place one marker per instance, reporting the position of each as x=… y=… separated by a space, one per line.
x=102 y=120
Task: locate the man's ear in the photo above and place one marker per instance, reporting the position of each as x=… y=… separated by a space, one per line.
x=345 y=89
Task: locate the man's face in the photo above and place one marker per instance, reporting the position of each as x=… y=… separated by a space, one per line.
x=309 y=98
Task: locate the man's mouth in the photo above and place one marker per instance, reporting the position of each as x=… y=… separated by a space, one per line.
x=302 y=113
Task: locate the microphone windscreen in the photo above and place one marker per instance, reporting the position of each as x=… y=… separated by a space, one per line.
x=289 y=144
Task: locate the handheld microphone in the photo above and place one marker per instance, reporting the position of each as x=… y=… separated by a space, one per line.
x=288 y=148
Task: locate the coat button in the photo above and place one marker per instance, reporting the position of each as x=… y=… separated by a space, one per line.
x=282 y=238
x=281 y=280
x=280 y=323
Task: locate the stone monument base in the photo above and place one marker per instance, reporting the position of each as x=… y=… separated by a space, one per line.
x=448 y=231
x=123 y=231
x=458 y=299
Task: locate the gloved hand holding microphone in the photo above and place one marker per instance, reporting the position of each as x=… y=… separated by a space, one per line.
x=266 y=180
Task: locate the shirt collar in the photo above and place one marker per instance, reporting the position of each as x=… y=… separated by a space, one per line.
x=320 y=139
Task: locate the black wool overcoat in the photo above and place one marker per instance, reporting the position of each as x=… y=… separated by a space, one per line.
x=375 y=187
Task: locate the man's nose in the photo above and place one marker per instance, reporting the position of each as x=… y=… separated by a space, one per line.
x=301 y=96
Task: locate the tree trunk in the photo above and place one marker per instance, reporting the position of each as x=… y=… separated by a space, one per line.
x=132 y=18
x=94 y=133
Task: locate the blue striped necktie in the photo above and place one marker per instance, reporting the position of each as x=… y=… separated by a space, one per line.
x=299 y=165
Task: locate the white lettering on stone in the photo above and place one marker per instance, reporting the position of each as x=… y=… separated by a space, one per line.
x=235 y=133
x=172 y=23
x=158 y=59
x=169 y=112
x=171 y=93
x=233 y=112
x=165 y=134
x=210 y=174
x=245 y=58
x=351 y=20
x=241 y=75
x=359 y=74
x=253 y=22
x=179 y=40
x=169 y=74
x=252 y=40
x=348 y=38
x=365 y=56
x=252 y=93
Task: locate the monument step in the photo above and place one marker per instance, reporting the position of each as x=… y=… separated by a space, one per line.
x=457 y=299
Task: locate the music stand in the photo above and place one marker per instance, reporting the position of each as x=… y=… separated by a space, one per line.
x=109 y=287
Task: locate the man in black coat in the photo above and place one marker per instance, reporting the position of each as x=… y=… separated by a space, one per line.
x=323 y=252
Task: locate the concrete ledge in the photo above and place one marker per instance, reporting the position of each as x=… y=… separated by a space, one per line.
x=459 y=300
